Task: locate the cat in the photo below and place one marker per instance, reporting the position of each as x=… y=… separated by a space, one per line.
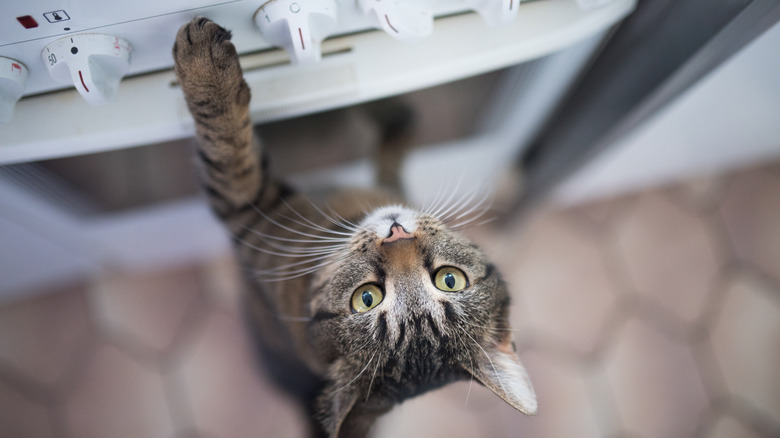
x=357 y=301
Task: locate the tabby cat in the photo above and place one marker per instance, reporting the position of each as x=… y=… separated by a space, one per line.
x=356 y=306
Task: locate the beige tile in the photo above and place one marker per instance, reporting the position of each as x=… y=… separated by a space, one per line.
x=727 y=427
x=565 y=406
x=21 y=417
x=222 y=282
x=656 y=386
x=41 y=337
x=600 y=215
x=564 y=289
x=147 y=307
x=117 y=397
x=670 y=255
x=702 y=193
x=228 y=395
x=438 y=414
x=746 y=341
x=751 y=210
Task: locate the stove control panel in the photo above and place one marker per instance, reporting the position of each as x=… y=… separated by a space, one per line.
x=48 y=45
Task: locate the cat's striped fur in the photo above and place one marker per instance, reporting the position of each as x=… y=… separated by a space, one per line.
x=304 y=261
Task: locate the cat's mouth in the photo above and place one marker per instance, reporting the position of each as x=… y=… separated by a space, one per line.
x=397 y=232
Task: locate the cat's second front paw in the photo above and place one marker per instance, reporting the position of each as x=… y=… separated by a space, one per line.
x=206 y=64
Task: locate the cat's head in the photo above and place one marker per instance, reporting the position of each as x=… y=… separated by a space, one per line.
x=411 y=307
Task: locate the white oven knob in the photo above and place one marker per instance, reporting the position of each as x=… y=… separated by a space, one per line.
x=402 y=19
x=495 y=12
x=94 y=63
x=13 y=77
x=299 y=26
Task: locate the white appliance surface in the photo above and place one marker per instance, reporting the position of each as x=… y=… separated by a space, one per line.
x=356 y=67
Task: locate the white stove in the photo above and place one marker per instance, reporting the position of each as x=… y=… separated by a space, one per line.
x=96 y=75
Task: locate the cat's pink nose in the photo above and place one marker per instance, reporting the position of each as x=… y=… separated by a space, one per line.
x=397 y=232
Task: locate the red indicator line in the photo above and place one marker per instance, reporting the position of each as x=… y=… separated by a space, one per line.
x=82 y=82
x=388 y=23
x=300 y=33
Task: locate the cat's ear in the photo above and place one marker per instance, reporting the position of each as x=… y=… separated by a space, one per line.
x=334 y=407
x=341 y=414
x=500 y=370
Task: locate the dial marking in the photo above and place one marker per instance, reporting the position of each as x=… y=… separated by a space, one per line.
x=388 y=23
x=82 y=82
x=300 y=33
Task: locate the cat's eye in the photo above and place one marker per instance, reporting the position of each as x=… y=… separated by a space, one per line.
x=450 y=279
x=366 y=297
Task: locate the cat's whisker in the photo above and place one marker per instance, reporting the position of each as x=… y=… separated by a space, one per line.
x=285 y=227
x=359 y=374
x=289 y=251
x=313 y=225
x=458 y=206
x=292 y=274
x=487 y=356
x=301 y=248
x=349 y=224
x=473 y=214
x=428 y=207
x=298 y=250
x=471 y=381
x=472 y=224
x=334 y=221
x=473 y=219
x=499 y=329
x=455 y=206
x=485 y=201
x=371 y=383
x=284 y=268
x=316 y=227
x=282 y=254
x=446 y=203
x=320 y=239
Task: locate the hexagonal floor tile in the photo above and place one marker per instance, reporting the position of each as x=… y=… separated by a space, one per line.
x=751 y=210
x=438 y=414
x=147 y=307
x=670 y=255
x=566 y=408
x=727 y=427
x=746 y=341
x=563 y=286
x=655 y=382
x=117 y=397
x=41 y=337
x=20 y=417
x=227 y=394
x=223 y=283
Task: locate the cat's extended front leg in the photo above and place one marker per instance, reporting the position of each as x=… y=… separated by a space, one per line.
x=207 y=66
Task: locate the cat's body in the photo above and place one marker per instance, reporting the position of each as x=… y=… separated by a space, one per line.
x=356 y=306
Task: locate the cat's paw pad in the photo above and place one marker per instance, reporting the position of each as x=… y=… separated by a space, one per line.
x=202 y=43
x=205 y=60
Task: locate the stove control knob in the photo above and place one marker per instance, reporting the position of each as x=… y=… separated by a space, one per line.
x=13 y=77
x=495 y=12
x=299 y=26
x=94 y=63
x=402 y=19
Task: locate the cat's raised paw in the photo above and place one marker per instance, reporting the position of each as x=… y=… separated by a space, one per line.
x=203 y=40
x=207 y=66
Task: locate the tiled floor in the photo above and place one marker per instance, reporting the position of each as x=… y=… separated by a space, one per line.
x=652 y=315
